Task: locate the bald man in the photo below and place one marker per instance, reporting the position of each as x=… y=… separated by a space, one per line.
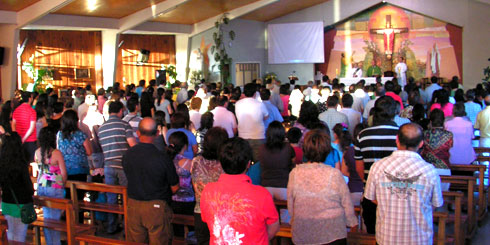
x=152 y=180
x=405 y=188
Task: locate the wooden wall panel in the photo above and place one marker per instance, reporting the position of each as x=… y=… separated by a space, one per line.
x=64 y=51
x=162 y=52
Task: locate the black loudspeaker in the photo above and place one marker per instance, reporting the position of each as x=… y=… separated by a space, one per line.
x=161 y=76
x=2 y=51
x=143 y=56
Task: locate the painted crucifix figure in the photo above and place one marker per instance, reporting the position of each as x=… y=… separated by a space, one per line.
x=389 y=35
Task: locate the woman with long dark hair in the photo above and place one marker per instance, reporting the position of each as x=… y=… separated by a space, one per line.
x=205 y=169
x=162 y=129
x=52 y=177
x=75 y=147
x=147 y=107
x=308 y=118
x=183 y=201
x=276 y=161
x=15 y=183
x=207 y=121
x=441 y=102
x=6 y=116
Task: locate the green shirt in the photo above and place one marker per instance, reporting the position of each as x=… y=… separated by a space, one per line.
x=373 y=71
x=11 y=209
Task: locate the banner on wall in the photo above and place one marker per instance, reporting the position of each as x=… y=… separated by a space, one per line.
x=295 y=43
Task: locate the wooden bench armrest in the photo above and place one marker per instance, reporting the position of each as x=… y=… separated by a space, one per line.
x=452 y=194
x=89 y=239
x=98 y=187
x=469 y=168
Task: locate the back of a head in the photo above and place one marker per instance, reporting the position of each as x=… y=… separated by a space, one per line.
x=101 y=91
x=347 y=101
x=436 y=118
x=284 y=89
x=46 y=140
x=115 y=107
x=389 y=86
x=58 y=107
x=418 y=112
x=380 y=91
x=147 y=127
x=294 y=135
x=160 y=118
x=142 y=83
x=275 y=136
x=234 y=156
x=325 y=78
x=332 y=101
x=132 y=104
x=176 y=142
x=249 y=89
x=69 y=123
x=222 y=100
x=178 y=120
x=308 y=114
x=25 y=96
x=384 y=109
x=343 y=135
x=410 y=135
x=316 y=146
x=265 y=94
x=459 y=110
x=14 y=157
x=213 y=139
x=470 y=95
x=207 y=120
x=196 y=103
x=433 y=79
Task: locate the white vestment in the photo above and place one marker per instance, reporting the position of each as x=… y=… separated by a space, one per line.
x=401 y=73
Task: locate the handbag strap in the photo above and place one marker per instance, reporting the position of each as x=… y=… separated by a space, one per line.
x=15 y=198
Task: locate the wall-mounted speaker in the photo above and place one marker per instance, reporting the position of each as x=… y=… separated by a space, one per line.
x=143 y=56
x=2 y=51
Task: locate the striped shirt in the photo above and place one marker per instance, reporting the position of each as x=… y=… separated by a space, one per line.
x=113 y=136
x=23 y=116
x=134 y=122
x=375 y=143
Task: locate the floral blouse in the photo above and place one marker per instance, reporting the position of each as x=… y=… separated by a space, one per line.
x=437 y=143
x=204 y=171
x=319 y=203
x=73 y=152
x=185 y=193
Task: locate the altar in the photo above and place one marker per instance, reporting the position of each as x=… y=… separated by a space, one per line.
x=369 y=80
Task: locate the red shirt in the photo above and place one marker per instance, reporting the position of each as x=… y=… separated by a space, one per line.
x=23 y=116
x=396 y=98
x=299 y=155
x=236 y=211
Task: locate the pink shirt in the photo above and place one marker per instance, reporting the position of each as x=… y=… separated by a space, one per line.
x=447 y=109
x=462 y=151
x=285 y=103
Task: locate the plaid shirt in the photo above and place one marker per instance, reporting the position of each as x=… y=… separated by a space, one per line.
x=406 y=187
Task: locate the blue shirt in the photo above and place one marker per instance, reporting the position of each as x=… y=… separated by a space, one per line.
x=189 y=154
x=73 y=152
x=274 y=114
x=332 y=158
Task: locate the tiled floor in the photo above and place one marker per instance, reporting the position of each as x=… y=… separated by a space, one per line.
x=483 y=233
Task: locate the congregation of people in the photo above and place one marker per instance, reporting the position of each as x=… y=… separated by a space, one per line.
x=224 y=154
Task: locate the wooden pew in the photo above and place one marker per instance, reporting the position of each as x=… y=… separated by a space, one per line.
x=457 y=218
x=67 y=226
x=479 y=187
x=466 y=184
x=89 y=239
x=441 y=219
x=100 y=207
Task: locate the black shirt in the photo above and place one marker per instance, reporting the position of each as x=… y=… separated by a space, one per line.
x=150 y=173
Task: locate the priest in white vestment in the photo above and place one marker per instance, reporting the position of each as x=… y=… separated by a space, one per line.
x=401 y=72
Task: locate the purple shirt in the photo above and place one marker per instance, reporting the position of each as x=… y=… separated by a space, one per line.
x=462 y=151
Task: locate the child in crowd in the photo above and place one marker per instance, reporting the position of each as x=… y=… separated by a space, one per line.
x=294 y=135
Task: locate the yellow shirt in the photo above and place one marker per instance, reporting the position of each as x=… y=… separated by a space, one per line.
x=483 y=122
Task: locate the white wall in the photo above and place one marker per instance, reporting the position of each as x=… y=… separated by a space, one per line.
x=9 y=39
x=472 y=15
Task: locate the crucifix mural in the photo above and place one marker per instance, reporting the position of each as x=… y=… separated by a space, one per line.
x=389 y=35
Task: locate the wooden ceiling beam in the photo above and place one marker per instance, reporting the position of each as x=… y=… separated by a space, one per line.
x=146 y=14
x=38 y=10
x=152 y=26
x=76 y=21
x=8 y=17
x=232 y=14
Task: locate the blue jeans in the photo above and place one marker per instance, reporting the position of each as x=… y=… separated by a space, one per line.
x=52 y=237
x=113 y=176
x=17 y=230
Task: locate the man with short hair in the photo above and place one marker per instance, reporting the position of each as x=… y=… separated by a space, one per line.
x=182 y=95
x=24 y=122
x=483 y=119
x=471 y=108
x=224 y=118
x=115 y=138
x=152 y=180
x=331 y=116
x=274 y=114
x=380 y=91
x=133 y=118
x=430 y=89
x=235 y=210
x=354 y=117
x=251 y=115
x=373 y=144
x=405 y=188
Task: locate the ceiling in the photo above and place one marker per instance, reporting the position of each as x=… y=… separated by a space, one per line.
x=16 y=5
x=188 y=12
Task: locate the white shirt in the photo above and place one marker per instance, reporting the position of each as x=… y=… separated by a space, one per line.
x=354 y=118
x=250 y=114
x=401 y=72
x=195 y=118
x=182 y=95
x=368 y=108
x=296 y=99
x=405 y=187
x=225 y=119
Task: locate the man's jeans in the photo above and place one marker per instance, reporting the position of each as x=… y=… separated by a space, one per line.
x=113 y=176
x=17 y=230
x=52 y=237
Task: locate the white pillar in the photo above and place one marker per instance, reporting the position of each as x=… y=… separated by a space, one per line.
x=109 y=56
x=9 y=40
x=181 y=45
